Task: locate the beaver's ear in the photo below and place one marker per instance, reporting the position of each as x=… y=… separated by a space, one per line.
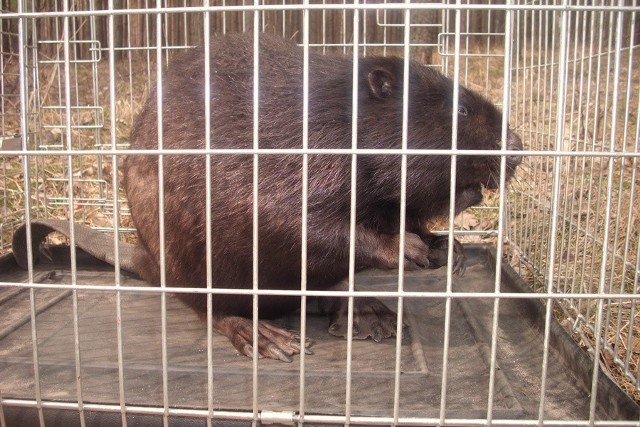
x=381 y=82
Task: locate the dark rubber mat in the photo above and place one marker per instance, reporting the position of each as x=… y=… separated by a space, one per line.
x=517 y=383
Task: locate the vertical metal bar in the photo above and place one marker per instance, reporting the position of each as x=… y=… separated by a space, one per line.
x=384 y=31
x=506 y=97
x=403 y=207
x=304 y=207
x=467 y=30
x=224 y=18
x=3 y=420
x=208 y=201
x=22 y=78
x=555 y=196
x=2 y=116
x=324 y=29
x=579 y=166
x=452 y=196
x=116 y=213
x=244 y=17
x=352 y=218
x=167 y=40
x=634 y=177
x=364 y=34
x=538 y=122
x=344 y=27
x=514 y=204
x=585 y=250
x=627 y=245
x=607 y=218
x=487 y=85
x=147 y=26
x=284 y=20
x=130 y=64
x=636 y=280
x=445 y=16
x=256 y=145
x=527 y=115
x=534 y=65
x=185 y=26
x=597 y=170
x=161 y=227
x=607 y=201
x=95 y=54
x=548 y=89
x=74 y=265
x=568 y=203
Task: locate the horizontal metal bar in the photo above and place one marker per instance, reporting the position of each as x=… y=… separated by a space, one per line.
x=133 y=409
x=145 y=48
x=338 y=6
x=341 y=151
x=325 y=293
x=309 y=418
x=348 y=45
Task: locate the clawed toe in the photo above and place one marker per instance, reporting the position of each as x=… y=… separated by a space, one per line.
x=274 y=342
x=459 y=266
x=439 y=254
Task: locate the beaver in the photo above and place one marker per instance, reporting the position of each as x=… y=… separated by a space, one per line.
x=280 y=180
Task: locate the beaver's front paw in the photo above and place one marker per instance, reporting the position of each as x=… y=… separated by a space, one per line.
x=415 y=252
x=439 y=251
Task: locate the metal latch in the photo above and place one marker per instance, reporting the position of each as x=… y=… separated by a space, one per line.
x=277 y=417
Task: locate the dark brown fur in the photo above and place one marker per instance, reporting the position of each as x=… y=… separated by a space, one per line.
x=280 y=176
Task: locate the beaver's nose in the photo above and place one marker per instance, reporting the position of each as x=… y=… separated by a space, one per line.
x=514 y=143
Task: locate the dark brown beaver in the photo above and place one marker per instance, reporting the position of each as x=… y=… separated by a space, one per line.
x=280 y=180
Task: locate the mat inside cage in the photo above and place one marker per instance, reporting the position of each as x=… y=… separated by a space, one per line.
x=516 y=380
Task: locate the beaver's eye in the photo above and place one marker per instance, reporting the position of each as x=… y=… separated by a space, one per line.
x=462 y=110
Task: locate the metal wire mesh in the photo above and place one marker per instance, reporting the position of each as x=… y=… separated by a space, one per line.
x=596 y=236
x=565 y=72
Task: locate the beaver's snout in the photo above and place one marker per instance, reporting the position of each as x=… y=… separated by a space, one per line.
x=514 y=143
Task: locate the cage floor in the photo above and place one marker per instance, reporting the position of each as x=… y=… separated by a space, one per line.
x=518 y=367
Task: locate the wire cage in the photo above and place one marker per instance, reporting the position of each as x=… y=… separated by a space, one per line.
x=544 y=327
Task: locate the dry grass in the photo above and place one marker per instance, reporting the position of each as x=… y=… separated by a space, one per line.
x=587 y=185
